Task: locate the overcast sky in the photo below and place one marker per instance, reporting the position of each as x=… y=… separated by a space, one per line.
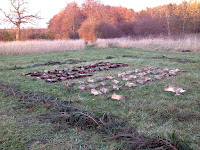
x=49 y=8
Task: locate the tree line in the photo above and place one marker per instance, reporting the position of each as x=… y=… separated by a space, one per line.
x=94 y=20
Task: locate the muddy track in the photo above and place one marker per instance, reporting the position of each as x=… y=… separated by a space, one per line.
x=111 y=127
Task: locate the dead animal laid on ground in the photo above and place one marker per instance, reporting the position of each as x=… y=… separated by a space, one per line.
x=129 y=84
x=140 y=81
x=95 y=92
x=121 y=74
x=62 y=78
x=125 y=79
x=174 y=72
x=90 y=80
x=137 y=70
x=91 y=86
x=104 y=84
x=116 y=87
x=174 y=89
x=118 y=97
x=105 y=90
x=129 y=72
x=51 y=80
x=142 y=74
x=110 y=77
x=115 y=81
x=158 y=77
x=147 y=79
x=132 y=77
x=38 y=78
x=80 y=82
x=165 y=69
x=100 y=79
x=82 y=87
x=68 y=84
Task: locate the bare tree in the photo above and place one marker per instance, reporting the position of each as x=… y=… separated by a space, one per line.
x=19 y=14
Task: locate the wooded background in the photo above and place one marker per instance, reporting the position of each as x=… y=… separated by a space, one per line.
x=94 y=20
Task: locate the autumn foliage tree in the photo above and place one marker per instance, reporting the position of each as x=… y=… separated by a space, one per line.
x=87 y=31
x=94 y=20
x=67 y=22
x=92 y=15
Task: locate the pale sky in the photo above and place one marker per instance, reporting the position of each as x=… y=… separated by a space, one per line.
x=49 y=8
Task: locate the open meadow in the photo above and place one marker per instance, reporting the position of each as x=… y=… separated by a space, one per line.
x=41 y=113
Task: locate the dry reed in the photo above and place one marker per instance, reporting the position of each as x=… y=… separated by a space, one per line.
x=188 y=43
x=40 y=46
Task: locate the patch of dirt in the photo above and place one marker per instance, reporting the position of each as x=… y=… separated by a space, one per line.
x=109 y=57
x=186 y=51
x=180 y=60
x=130 y=56
x=73 y=61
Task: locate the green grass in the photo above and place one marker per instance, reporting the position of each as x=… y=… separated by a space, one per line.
x=150 y=110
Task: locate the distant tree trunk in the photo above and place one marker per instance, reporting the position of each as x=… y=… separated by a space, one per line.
x=195 y=28
x=18 y=32
x=168 y=25
x=183 y=29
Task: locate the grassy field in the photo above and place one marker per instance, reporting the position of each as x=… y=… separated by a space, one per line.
x=148 y=109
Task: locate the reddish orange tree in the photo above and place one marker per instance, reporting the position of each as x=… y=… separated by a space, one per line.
x=67 y=21
x=87 y=31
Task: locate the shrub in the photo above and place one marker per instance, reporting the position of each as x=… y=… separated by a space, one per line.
x=127 y=28
x=74 y=36
x=92 y=31
x=149 y=26
x=8 y=36
x=2 y=38
x=104 y=30
x=38 y=36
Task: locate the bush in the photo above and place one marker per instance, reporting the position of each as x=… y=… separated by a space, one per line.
x=127 y=28
x=8 y=36
x=74 y=36
x=105 y=31
x=149 y=26
x=40 y=36
x=92 y=31
x=2 y=38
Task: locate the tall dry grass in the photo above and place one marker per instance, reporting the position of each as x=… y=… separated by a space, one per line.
x=40 y=46
x=186 y=43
